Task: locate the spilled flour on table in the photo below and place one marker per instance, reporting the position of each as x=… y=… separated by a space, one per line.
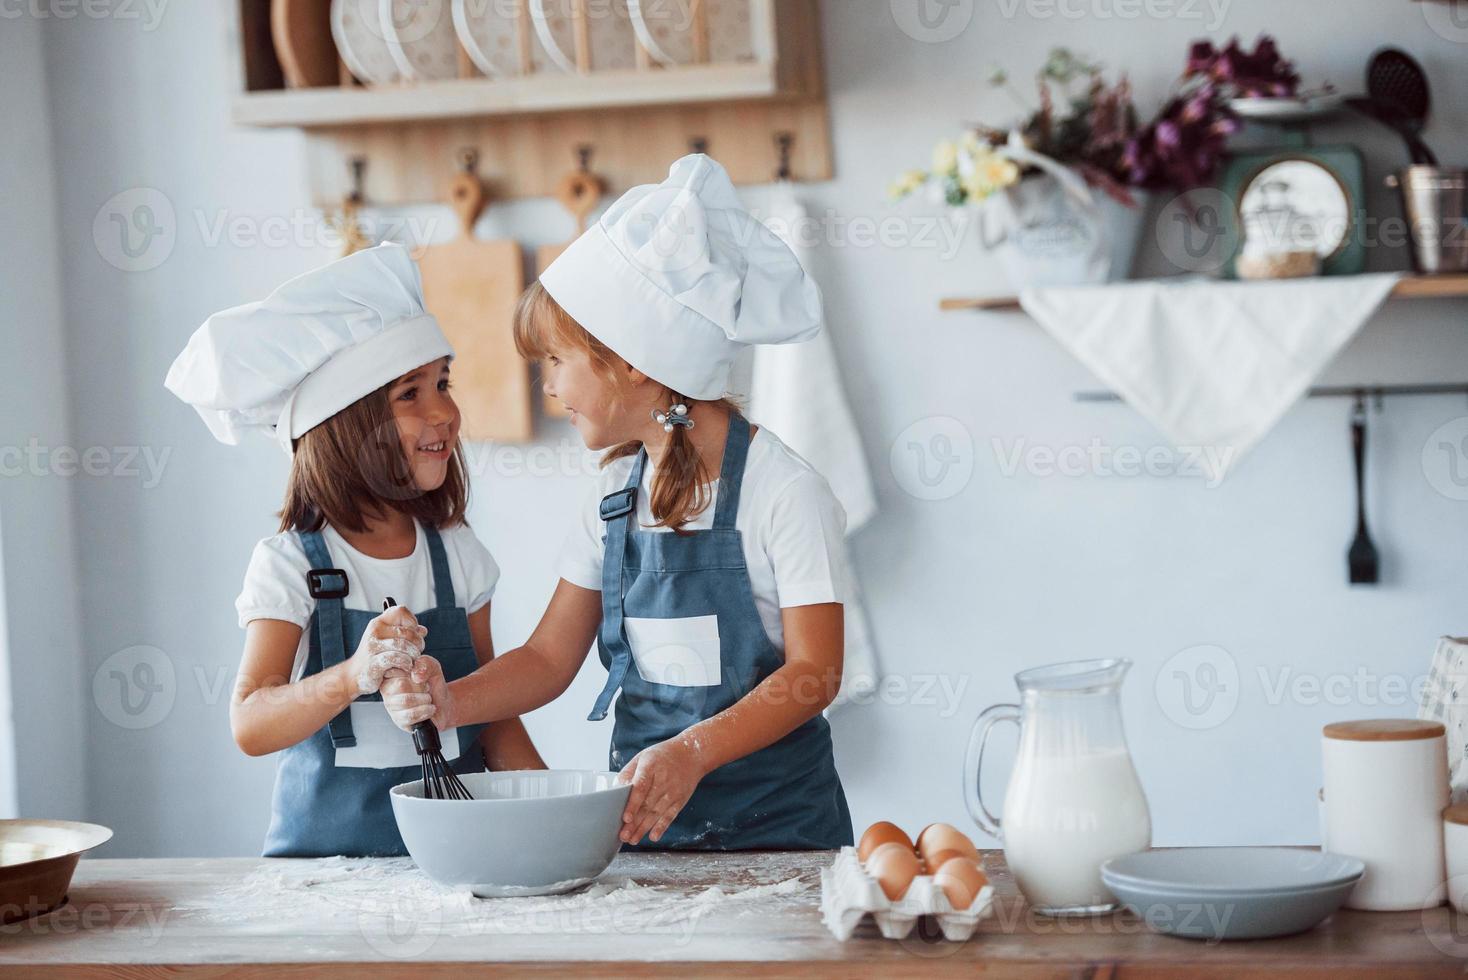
x=392 y=895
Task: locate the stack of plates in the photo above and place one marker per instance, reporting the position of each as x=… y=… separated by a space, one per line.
x=1232 y=892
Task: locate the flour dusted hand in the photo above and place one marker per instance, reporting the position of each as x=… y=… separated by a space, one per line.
x=663 y=777
x=391 y=642
x=409 y=706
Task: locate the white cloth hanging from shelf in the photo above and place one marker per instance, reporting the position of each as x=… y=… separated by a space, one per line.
x=1214 y=365
x=796 y=390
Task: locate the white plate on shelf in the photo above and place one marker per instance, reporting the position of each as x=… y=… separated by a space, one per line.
x=420 y=38
x=665 y=28
x=1289 y=109
x=356 y=26
x=488 y=32
x=555 y=28
x=613 y=38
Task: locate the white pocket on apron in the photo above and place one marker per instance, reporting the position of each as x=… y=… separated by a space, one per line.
x=676 y=652
x=383 y=745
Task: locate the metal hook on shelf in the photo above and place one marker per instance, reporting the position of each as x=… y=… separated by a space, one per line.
x=785 y=143
x=358 y=165
x=583 y=157
x=1358 y=412
x=698 y=144
x=468 y=157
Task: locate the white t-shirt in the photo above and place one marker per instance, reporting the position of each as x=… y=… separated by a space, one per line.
x=792 y=527
x=275 y=583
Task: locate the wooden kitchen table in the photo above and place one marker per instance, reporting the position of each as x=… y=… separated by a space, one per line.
x=649 y=916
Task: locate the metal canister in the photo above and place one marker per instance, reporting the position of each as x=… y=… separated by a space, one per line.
x=1436 y=203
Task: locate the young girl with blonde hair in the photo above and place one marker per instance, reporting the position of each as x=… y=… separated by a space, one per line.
x=708 y=564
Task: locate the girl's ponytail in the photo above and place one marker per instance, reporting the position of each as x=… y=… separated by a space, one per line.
x=680 y=490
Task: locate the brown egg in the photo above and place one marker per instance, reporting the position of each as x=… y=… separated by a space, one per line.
x=961 y=880
x=894 y=866
x=878 y=834
x=936 y=861
x=937 y=837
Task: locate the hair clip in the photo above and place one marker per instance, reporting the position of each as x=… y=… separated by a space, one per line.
x=677 y=415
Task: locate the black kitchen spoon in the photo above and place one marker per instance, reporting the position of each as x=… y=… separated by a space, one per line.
x=1364 y=562
x=1397 y=95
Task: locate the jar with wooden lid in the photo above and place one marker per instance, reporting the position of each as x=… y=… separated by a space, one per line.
x=1386 y=785
x=1455 y=847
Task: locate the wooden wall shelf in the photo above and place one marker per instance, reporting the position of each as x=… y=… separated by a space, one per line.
x=479 y=97
x=1412 y=287
x=527 y=129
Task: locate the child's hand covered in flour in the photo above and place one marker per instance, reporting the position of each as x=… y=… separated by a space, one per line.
x=392 y=641
x=663 y=777
x=408 y=708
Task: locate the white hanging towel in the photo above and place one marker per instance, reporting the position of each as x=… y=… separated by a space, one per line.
x=1214 y=365
x=796 y=390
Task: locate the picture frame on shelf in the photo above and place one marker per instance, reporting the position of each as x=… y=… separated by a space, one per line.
x=1297 y=197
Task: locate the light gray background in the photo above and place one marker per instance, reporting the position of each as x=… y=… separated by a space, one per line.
x=1014 y=570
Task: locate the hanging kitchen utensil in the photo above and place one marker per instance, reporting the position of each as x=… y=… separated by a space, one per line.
x=1364 y=562
x=301 y=30
x=440 y=782
x=345 y=222
x=472 y=286
x=579 y=192
x=1398 y=96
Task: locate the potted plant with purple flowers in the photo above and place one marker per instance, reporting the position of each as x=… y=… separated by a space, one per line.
x=1066 y=187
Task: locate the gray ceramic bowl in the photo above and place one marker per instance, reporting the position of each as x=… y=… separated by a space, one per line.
x=524 y=833
x=1232 y=892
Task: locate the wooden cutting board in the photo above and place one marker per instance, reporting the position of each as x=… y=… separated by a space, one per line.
x=579 y=192
x=471 y=286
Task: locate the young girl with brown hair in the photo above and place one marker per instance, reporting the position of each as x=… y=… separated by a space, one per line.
x=346 y=369
x=716 y=601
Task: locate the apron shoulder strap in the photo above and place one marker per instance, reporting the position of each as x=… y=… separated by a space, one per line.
x=731 y=475
x=329 y=639
x=443 y=582
x=618 y=513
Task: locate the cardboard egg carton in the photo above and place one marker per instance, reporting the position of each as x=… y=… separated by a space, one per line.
x=849 y=895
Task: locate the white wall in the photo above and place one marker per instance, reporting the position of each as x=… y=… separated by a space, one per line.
x=40 y=652
x=1013 y=571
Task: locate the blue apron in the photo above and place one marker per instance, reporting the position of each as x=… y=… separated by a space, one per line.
x=321 y=809
x=684 y=602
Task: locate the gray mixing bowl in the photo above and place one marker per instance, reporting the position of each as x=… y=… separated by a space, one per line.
x=524 y=833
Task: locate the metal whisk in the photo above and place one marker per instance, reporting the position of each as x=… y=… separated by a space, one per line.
x=440 y=782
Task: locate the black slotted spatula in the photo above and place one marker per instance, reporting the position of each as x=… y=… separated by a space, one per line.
x=1364 y=562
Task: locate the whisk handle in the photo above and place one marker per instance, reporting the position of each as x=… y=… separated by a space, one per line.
x=425 y=738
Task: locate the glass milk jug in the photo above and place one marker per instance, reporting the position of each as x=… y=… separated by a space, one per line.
x=1074 y=799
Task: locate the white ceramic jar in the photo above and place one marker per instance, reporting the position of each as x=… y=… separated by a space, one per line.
x=1386 y=785
x=1455 y=847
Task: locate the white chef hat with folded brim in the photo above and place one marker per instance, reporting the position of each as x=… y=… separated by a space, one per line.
x=313 y=347
x=678 y=277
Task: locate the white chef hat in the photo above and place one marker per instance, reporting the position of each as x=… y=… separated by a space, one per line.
x=677 y=276
x=316 y=345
